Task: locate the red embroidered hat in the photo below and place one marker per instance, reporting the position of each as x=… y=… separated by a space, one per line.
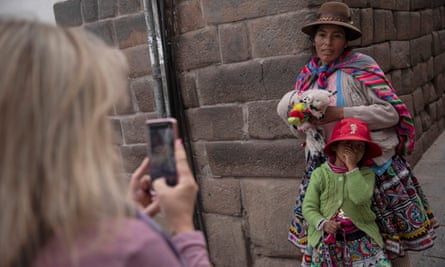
x=356 y=130
x=335 y=13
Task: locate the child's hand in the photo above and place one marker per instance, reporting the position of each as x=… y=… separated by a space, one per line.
x=350 y=158
x=331 y=226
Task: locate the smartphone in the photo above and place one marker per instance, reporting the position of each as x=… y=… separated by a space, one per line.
x=162 y=134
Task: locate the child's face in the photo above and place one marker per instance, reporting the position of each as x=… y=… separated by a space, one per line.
x=350 y=151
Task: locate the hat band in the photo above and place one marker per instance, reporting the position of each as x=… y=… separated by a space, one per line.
x=334 y=18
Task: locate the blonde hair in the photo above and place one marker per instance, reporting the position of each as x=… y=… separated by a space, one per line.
x=58 y=166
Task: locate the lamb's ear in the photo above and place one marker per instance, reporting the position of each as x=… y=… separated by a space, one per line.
x=284 y=105
x=332 y=93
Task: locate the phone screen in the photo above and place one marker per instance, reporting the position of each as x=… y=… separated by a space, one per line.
x=162 y=151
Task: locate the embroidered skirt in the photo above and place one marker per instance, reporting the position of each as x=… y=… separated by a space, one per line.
x=359 y=252
x=298 y=227
x=403 y=213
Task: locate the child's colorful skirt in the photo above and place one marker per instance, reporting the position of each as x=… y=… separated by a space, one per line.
x=403 y=213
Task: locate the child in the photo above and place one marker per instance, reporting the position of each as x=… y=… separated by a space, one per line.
x=337 y=206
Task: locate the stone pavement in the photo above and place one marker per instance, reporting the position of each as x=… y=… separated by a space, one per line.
x=430 y=171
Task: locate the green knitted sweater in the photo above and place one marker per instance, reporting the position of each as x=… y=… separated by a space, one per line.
x=329 y=191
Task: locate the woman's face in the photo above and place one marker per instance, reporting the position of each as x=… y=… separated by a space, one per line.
x=329 y=41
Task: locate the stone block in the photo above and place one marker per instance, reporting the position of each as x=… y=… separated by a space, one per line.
x=188 y=90
x=197 y=49
x=138 y=61
x=234 y=42
x=107 y=8
x=390 y=27
x=407 y=86
x=263 y=200
x=221 y=196
x=420 y=74
x=381 y=52
x=439 y=64
x=402 y=25
x=132 y=156
x=436 y=3
x=117 y=131
x=367 y=26
x=104 y=30
x=277 y=35
x=264 y=122
x=426 y=20
x=187 y=10
x=89 y=10
x=67 y=13
x=426 y=125
x=429 y=69
x=129 y=6
x=226 y=240
x=442 y=16
x=368 y=50
x=383 y=4
x=439 y=84
x=200 y=160
x=432 y=111
x=219 y=12
x=396 y=79
x=131 y=30
x=379 y=25
x=417 y=126
x=420 y=49
x=440 y=109
x=420 y=4
x=443 y=103
x=400 y=54
x=124 y=106
x=255 y=158
x=356 y=3
x=429 y=93
x=142 y=89
x=437 y=20
x=419 y=101
x=401 y=5
x=134 y=129
x=355 y=16
x=239 y=82
x=216 y=123
x=280 y=73
x=261 y=261
x=437 y=44
x=415 y=26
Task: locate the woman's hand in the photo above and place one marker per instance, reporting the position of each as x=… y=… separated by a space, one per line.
x=331 y=114
x=178 y=202
x=139 y=190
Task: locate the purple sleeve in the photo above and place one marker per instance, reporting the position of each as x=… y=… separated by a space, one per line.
x=151 y=249
x=192 y=247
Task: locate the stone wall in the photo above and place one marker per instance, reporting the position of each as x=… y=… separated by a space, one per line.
x=234 y=61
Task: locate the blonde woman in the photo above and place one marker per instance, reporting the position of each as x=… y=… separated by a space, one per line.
x=61 y=200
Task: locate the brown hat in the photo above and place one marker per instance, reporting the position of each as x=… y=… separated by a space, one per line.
x=335 y=13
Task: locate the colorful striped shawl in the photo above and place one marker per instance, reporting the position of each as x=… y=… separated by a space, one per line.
x=364 y=69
